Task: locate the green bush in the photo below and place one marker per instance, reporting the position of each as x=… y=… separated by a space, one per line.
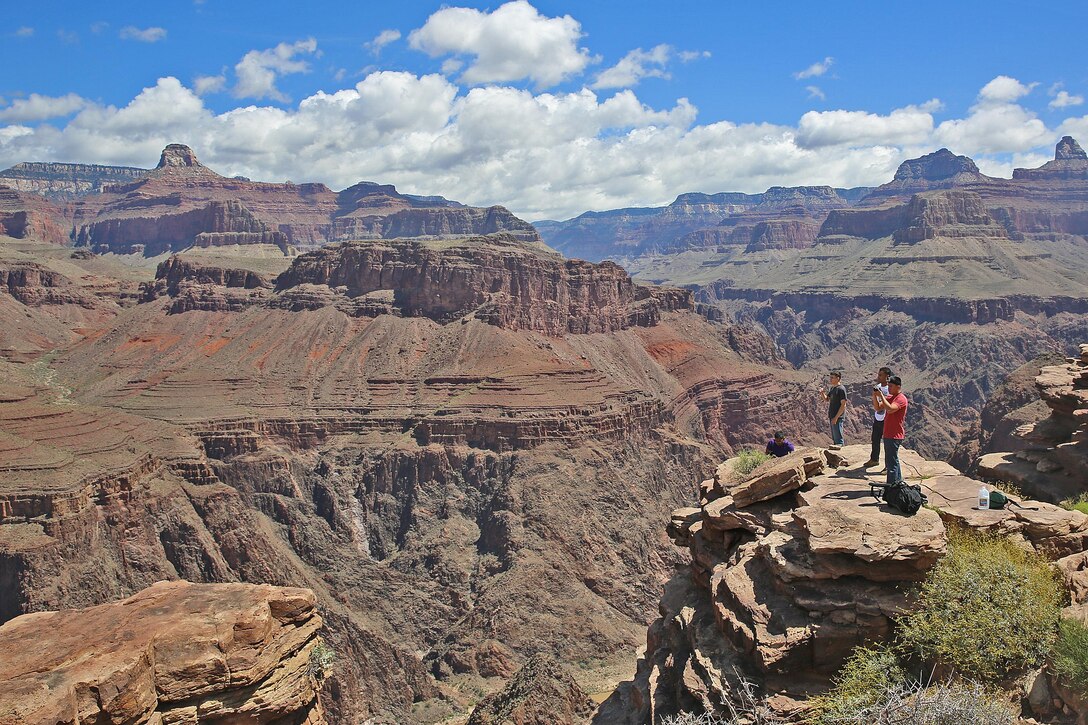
x=747 y=461
x=322 y=657
x=987 y=609
x=1069 y=659
x=1080 y=503
x=862 y=684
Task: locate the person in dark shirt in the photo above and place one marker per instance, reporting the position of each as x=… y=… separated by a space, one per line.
x=835 y=396
x=779 y=446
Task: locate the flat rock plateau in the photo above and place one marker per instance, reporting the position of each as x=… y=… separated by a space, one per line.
x=459 y=451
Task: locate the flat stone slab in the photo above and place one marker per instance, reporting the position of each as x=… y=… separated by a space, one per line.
x=1049 y=529
x=848 y=531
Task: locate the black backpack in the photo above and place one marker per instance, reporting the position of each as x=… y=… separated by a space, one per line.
x=904 y=497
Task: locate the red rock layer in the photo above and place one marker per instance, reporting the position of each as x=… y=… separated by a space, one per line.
x=497 y=279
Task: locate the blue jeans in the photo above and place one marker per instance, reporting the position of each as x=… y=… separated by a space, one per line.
x=891 y=459
x=836 y=432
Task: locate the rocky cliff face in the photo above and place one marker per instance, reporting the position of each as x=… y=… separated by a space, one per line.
x=939 y=170
x=496 y=279
x=63 y=182
x=791 y=569
x=780 y=218
x=1049 y=455
x=622 y=233
x=463 y=447
x=24 y=216
x=938 y=263
x=181 y=203
x=175 y=652
x=1070 y=162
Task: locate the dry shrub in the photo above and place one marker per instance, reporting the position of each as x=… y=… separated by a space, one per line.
x=986 y=610
x=1069 y=660
x=748 y=461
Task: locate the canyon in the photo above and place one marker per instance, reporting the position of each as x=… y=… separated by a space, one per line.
x=952 y=278
x=460 y=448
x=793 y=565
x=461 y=442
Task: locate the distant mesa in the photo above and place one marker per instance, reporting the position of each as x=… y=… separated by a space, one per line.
x=937 y=166
x=1070 y=162
x=182 y=204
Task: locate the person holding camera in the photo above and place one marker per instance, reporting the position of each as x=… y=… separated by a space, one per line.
x=879 y=390
x=894 y=405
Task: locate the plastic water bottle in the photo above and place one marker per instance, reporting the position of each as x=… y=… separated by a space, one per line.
x=983 y=499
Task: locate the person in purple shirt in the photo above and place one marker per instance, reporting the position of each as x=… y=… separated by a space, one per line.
x=779 y=446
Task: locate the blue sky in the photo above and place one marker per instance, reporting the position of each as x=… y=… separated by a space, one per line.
x=549 y=108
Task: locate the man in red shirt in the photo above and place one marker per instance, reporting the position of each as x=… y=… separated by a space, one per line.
x=894 y=404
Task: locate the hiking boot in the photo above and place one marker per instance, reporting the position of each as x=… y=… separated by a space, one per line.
x=834 y=447
x=870 y=463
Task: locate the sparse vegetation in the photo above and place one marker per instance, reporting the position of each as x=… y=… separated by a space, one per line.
x=950 y=703
x=861 y=685
x=748 y=709
x=1079 y=503
x=748 y=461
x=987 y=609
x=1069 y=659
x=322 y=657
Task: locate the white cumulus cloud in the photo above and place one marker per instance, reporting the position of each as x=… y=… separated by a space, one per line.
x=908 y=126
x=542 y=154
x=512 y=43
x=204 y=85
x=36 y=107
x=144 y=35
x=816 y=92
x=1004 y=89
x=816 y=69
x=635 y=66
x=996 y=124
x=381 y=40
x=258 y=70
x=1065 y=99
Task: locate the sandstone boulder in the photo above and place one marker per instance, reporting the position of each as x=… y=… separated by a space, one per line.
x=175 y=652
x=773 y=478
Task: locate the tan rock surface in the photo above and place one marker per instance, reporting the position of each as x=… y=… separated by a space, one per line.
x=228 y=651
x=784 y=589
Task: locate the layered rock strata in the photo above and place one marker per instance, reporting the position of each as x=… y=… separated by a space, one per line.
x=496 y=279
x=175 y=652
x=182 y=203
x=1051 y=460
x=63 y=182
x=423 y=465
x=25 y=216
x=795 y=565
